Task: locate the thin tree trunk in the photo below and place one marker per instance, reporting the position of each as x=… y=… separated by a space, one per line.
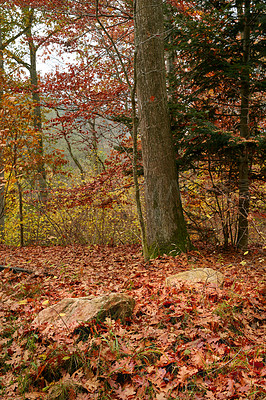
x=134 y=165
x=37 y=116
x=69 y=148
x=20 y=195
x=96 y=159
x=75 y=159
x=2 y=169
x=166 y=228
x=3 y=45
x=21 y=224
x=243 y=208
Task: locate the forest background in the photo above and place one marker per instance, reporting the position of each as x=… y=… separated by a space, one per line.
x=67 y=134
x=83 y=165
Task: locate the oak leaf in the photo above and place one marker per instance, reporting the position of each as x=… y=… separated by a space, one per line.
x=127 y=393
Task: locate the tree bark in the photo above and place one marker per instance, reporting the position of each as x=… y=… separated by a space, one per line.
x=166 y=228
x=97 y=163
x=21 y=223
x=134 y=135
x=243 y=207
x=37 y=116
x=2 y=167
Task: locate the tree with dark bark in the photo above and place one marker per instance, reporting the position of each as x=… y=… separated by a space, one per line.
x=244 y=17
x=218 y=105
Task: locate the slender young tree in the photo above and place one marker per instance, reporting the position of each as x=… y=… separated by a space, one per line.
x=27 y=20
x=243 y=208
x=37 y=114
x=7 y=37
x=166 y=228
x=2 y=174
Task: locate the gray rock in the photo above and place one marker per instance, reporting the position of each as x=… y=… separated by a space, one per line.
x=206 y=275
x=71 y=312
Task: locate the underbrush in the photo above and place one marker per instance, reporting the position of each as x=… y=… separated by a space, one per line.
x=102 y=211
x=108 y=220
x=210 y=204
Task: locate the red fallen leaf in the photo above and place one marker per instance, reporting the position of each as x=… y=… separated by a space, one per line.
x=185 y=372
x=152 y=98
x=209 y=395
x=124 y=366
x=257 y=365
x=157 y=377
x=10 y=352
x=198 y=359
x=244 y=389
x=161 y=396
x=91 y=384
x=166 y=359
x=34 y=395
x=231 y=386
x=126 y=394
x=139 y=380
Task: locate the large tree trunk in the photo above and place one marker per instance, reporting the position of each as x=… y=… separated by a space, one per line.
x=166 y=228
x=243 y=208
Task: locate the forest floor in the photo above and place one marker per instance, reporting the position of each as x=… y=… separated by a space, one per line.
x=185 y=342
